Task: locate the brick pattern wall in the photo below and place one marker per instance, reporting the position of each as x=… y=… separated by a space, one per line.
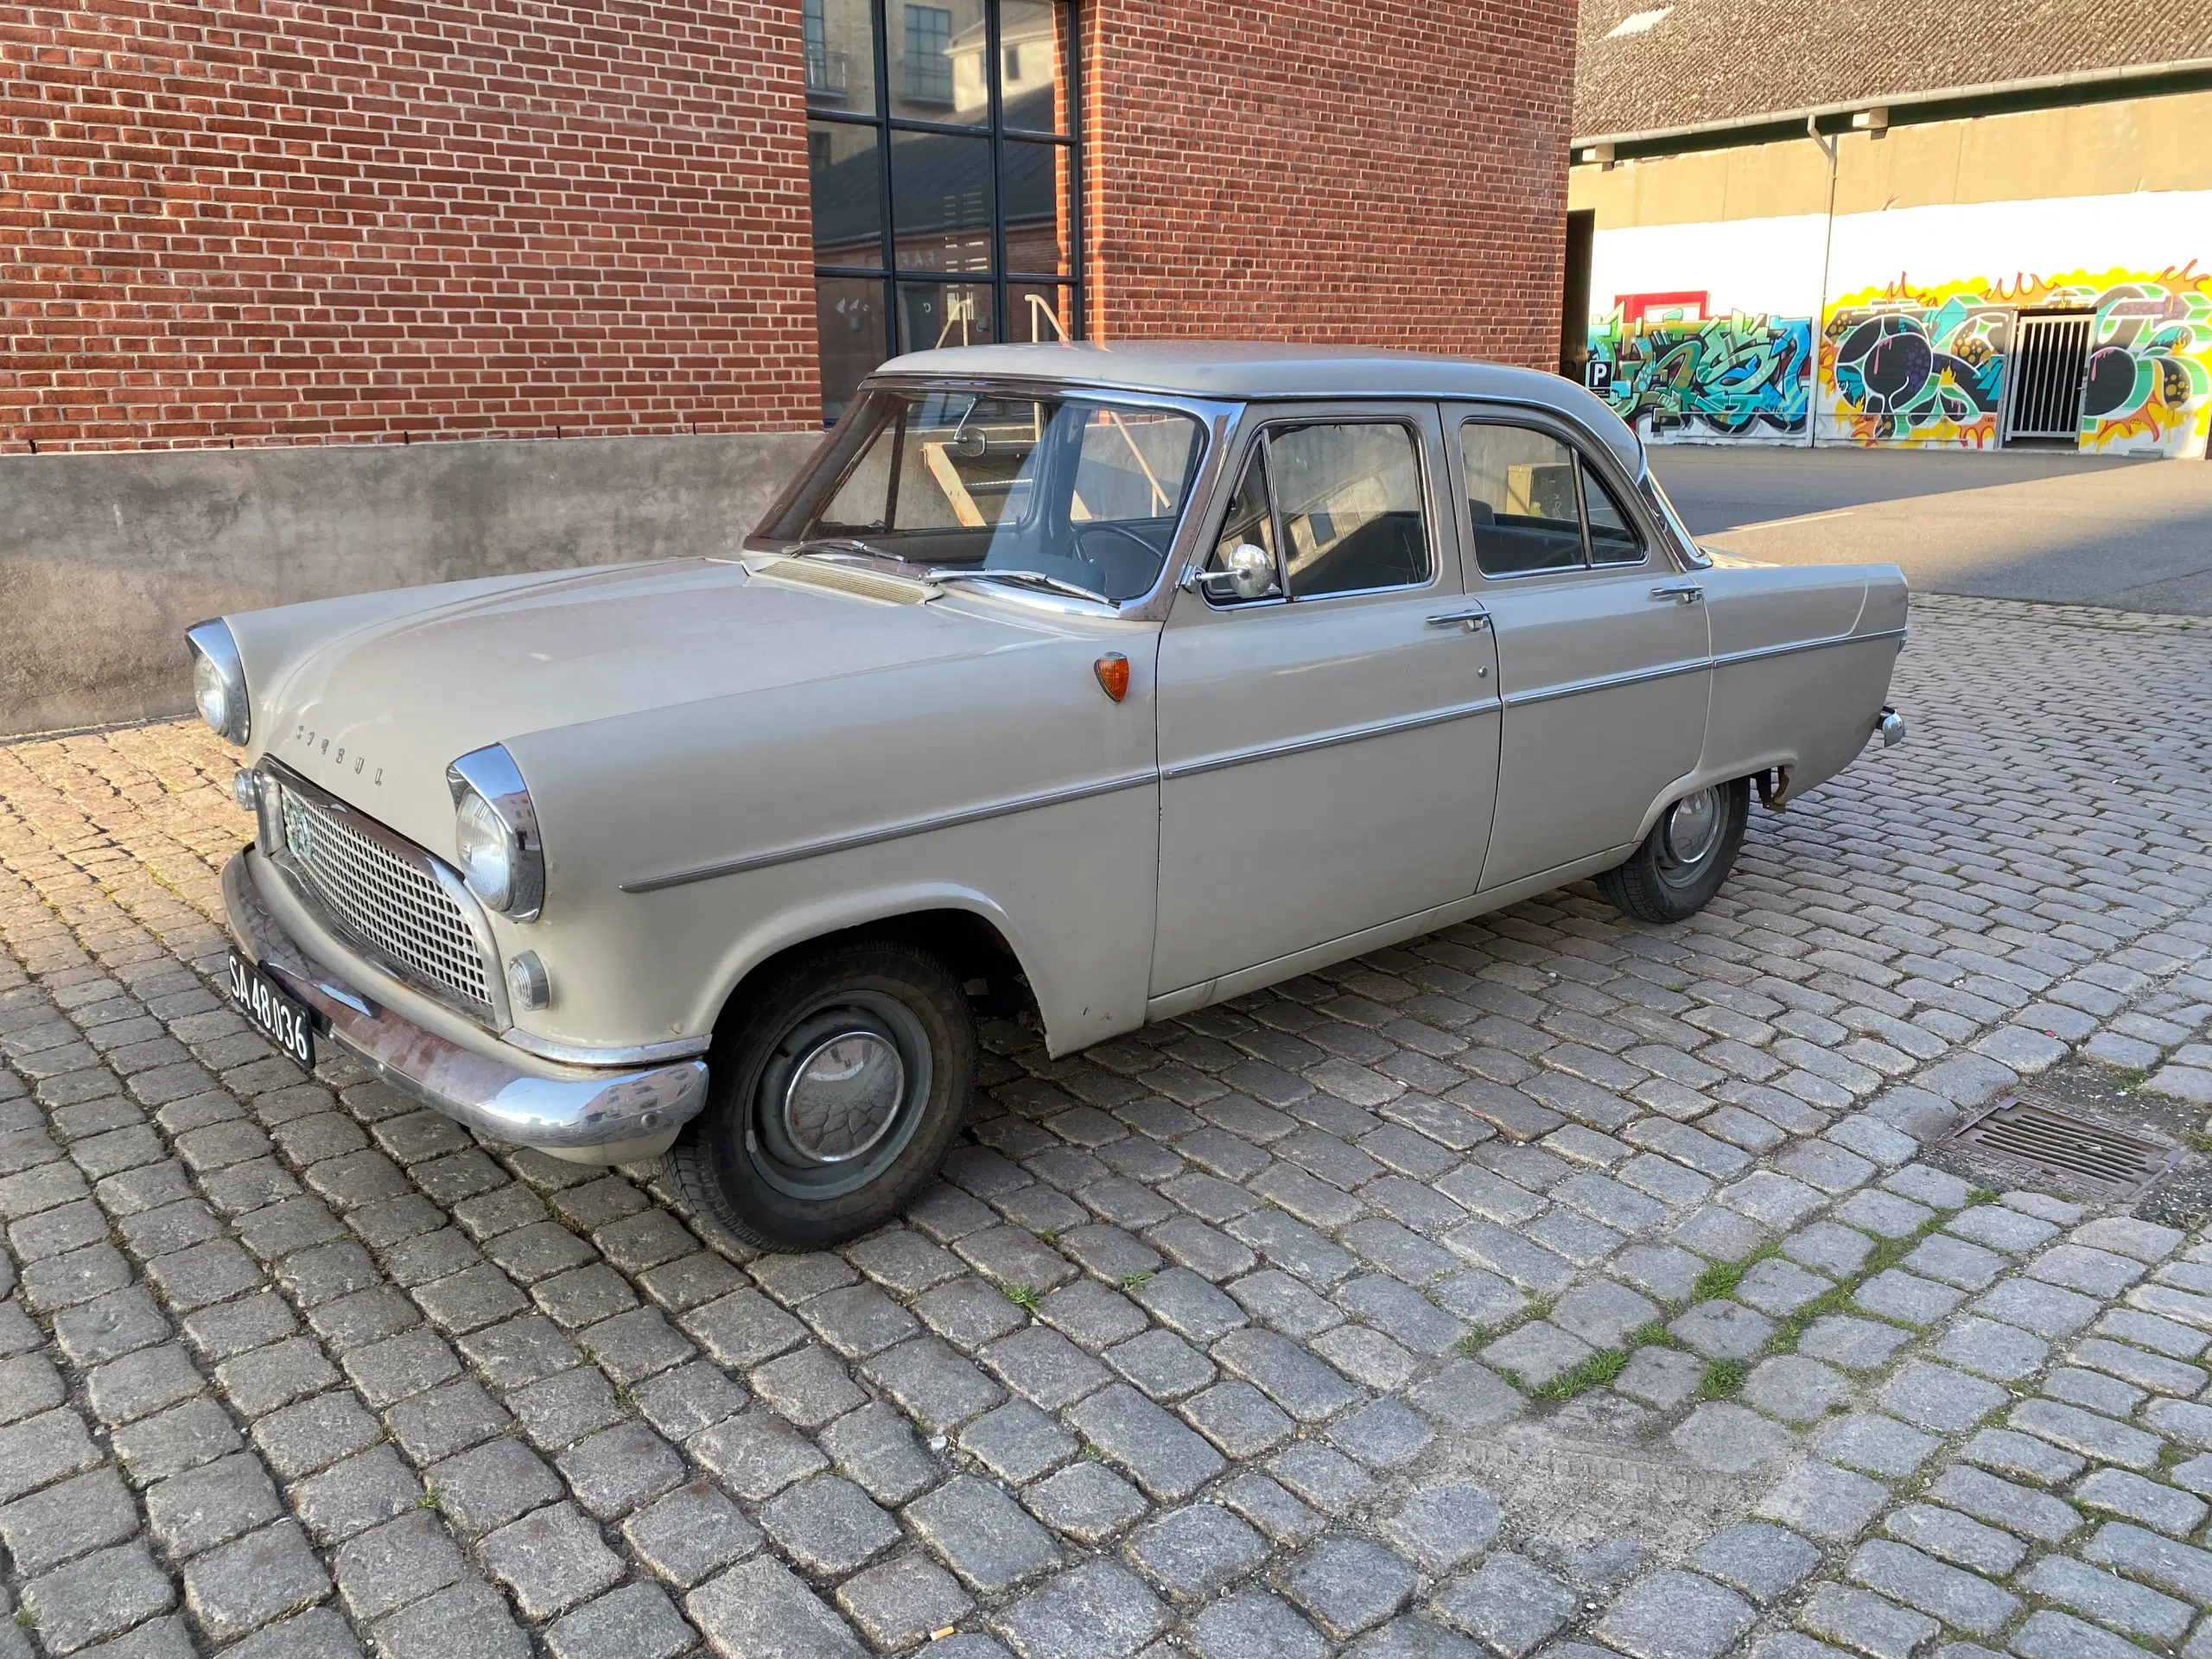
x=1303 y=170
x=273 y=221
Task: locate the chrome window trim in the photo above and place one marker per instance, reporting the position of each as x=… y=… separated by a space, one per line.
x=496 y=1016
x=1587 y=448
x=1218 y=420
x=1329 y=414
x=900 y=831
x=1331 y=739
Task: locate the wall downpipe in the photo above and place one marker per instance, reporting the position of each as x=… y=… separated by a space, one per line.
x=1830 y=143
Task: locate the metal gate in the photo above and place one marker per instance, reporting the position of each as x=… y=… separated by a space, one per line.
x=2050 y=357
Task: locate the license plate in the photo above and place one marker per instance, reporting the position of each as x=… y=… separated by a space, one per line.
x=276 y=1013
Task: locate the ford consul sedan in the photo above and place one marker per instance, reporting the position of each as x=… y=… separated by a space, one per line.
x=1085 y=685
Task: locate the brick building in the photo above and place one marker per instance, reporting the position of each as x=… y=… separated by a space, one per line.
x=283 y=222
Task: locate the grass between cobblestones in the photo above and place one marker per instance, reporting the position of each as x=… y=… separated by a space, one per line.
x=1723 y=1378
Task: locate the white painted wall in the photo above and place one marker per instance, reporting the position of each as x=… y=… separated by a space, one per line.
x=1792 y=266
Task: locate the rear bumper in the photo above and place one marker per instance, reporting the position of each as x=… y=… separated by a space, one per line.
x=498 y=1089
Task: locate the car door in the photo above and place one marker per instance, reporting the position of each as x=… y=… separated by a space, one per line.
x=1603 y=658
x=1328 y=742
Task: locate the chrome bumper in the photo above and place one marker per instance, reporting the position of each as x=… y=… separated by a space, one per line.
x=535 y=1102
x=1891 y=725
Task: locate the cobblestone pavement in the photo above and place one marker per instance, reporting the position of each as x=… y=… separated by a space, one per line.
x=1548 y=1286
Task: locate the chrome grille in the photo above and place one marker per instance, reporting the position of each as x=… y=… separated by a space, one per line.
x=390 y=905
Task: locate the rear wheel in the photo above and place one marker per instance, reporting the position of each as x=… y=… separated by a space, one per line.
x=1686 y=856
x=832 y=1095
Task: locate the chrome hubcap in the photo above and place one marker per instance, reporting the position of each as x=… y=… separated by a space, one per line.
x=1692 y=827
x=844 y=1096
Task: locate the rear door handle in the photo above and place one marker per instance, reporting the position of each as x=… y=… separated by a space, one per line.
x=1465 y=622
x=1682 y=593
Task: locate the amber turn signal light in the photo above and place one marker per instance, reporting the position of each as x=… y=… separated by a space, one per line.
x=1112 y=671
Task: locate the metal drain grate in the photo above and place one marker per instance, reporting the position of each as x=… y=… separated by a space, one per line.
x=2041 y=1139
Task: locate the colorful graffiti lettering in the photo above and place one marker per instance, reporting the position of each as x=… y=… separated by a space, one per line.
x=1669 y=370
x=1922 y=375
x=1914 y=366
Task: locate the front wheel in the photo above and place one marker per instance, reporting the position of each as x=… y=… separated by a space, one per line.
x=831 y=1098
x=1686 y=856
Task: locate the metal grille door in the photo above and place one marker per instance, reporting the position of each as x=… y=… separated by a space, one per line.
x=2049 y=358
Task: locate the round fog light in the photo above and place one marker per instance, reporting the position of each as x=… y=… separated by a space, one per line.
x=527 y=982
x=245 y=789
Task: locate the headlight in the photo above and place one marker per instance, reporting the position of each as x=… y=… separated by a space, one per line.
x=495 y=833
x=219 y=680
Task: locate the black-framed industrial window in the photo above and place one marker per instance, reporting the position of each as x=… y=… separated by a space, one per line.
x=947 y=177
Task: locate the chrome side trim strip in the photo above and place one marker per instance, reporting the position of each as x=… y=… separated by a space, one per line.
x=1605 y=683
x=676 y=1048
x=1669 y=671
x=891 y=832
x=1328 y=739
x=1795 y=646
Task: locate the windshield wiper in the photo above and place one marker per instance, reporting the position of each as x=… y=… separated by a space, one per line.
x=1018 y=578
x=832 y=547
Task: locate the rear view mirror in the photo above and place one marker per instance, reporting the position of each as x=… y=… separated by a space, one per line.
x=1247 y=572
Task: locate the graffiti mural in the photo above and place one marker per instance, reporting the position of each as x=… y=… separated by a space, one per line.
x=1901 y=364
x=2150 y=370
x=1671 y=371
x=1911 y=373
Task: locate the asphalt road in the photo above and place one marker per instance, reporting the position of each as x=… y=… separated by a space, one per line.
x=2136 y=535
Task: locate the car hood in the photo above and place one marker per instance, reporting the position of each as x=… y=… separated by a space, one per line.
x=376 y=707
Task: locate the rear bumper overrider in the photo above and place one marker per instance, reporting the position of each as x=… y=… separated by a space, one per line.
x=506 y=1094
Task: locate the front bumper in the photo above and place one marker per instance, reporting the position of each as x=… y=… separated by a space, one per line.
x=510 y=1095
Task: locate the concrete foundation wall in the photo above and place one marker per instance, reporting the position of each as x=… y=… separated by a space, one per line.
x=105 y=559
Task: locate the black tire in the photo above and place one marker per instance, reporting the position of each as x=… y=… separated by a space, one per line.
x=832 y=1095
x=1657 y=883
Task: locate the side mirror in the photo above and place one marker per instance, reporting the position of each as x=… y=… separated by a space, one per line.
x=1247 y=572
x=971 y=444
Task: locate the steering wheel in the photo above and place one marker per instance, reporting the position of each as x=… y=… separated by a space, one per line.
x=1139 y=576
x=1108 y=528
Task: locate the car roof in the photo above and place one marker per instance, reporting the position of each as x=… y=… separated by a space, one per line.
x=1245 y=370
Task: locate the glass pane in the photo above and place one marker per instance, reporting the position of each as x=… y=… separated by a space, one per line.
x=932 y=315
x=1613 y=540
x=1248 y=520
x=1349 y=498
x=1038 y=312
x=941 y=200
x=848 y=322
x=1030 y=33
x=1521 y=493
x=847 y=174
x=940 y=61
x=1077 y=491
x=1035 y=193
x=839 y=49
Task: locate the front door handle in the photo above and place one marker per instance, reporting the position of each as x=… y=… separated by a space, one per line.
x=1682 y=593
x=1465 y=622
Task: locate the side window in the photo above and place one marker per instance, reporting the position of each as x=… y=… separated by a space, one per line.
x=1613 y=539
x=1245 y=550
x=1521 y=495
x=1347 y=496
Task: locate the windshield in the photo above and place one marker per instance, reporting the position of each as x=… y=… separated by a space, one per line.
x=1084 y=490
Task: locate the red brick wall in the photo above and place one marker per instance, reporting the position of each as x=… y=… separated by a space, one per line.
x=293 y=222
x=1389 y=174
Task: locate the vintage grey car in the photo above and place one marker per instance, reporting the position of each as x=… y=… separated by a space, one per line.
x=1087 y=685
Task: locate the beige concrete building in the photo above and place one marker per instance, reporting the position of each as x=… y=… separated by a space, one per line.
x=1900 y=238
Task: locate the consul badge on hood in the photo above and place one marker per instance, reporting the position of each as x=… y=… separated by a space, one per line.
x=305 y=741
